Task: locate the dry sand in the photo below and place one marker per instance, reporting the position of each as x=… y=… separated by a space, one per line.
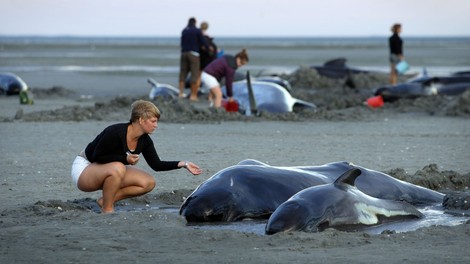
x=45 y=219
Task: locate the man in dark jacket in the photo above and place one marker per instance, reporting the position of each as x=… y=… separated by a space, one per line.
x=191 y=41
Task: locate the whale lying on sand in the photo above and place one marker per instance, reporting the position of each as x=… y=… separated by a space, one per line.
x=337 y=68
x=425 y=86
x=252 y=189
x=339 y=204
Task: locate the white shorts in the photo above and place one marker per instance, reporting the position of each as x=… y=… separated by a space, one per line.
x=78 y=166
x=209 y=81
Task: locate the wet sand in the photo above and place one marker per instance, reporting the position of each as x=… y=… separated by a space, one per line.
x=45 y=219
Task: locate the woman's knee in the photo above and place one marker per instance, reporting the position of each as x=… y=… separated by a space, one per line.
x=116 y=170
x=147 y=182
x=150 y=184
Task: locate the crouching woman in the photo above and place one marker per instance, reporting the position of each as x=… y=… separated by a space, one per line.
x=106 y=163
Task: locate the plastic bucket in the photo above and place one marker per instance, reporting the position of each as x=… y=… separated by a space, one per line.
x=402 y=67
x=375 y=102
x=230 y=106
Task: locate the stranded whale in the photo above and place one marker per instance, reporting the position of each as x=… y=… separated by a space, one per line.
x=338 y=204
x=425 y=86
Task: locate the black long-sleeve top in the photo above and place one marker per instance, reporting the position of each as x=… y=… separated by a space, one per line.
x=396 y=44
x=111 y=145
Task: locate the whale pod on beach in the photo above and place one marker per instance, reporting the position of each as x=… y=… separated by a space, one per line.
x=11 y=84
x=252 y=189
x=339 y=204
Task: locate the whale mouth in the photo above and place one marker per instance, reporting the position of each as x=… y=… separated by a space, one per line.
x=193 y=214
x=204 y=218
x=322 y=226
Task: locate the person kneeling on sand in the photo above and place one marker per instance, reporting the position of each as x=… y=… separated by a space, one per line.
x=224 y=66
x=106 y=163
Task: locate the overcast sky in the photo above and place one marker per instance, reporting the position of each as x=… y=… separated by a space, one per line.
x=263 y=18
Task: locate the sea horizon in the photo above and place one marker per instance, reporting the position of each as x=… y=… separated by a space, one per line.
x=39 y=38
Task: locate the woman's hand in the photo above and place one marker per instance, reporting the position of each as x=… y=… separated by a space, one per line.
x=191 y=167
x=132 y=158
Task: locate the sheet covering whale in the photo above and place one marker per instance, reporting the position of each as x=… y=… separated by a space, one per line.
x=11 y=84
x=269 y=97
x=164 y=91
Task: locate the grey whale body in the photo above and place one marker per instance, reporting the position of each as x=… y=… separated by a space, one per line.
x=252 y=189
x=338 y=204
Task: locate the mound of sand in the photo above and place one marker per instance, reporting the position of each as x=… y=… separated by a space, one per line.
x=334 y=99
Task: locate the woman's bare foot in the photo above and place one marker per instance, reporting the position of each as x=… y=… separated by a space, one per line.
x=100 y=202
x=104 y=210
x=109 y=211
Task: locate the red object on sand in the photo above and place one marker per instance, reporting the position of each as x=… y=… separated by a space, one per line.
x=375 y=102
x=230 y=106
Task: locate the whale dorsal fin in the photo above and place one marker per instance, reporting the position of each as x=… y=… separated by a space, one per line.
x=349 y=177
x=338 y=62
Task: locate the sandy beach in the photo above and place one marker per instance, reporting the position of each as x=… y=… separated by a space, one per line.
x=45 y=219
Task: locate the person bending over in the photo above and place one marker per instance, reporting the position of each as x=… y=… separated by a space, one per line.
x=106 y=163
x=224 y=66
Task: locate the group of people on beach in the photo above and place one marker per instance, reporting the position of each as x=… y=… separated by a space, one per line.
x=199 y=58
x=106 y=162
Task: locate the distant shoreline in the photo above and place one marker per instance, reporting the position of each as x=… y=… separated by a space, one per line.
x=221 y=38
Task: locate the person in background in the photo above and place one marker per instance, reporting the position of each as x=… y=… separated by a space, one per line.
x=191 y=43
x=223 y=67
x=396 y=52
x=206 y=55
x=106 y=163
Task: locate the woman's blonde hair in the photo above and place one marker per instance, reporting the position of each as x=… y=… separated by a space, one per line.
x=143 y=109
x=204 y=25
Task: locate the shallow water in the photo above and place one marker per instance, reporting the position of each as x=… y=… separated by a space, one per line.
x=433 y=216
